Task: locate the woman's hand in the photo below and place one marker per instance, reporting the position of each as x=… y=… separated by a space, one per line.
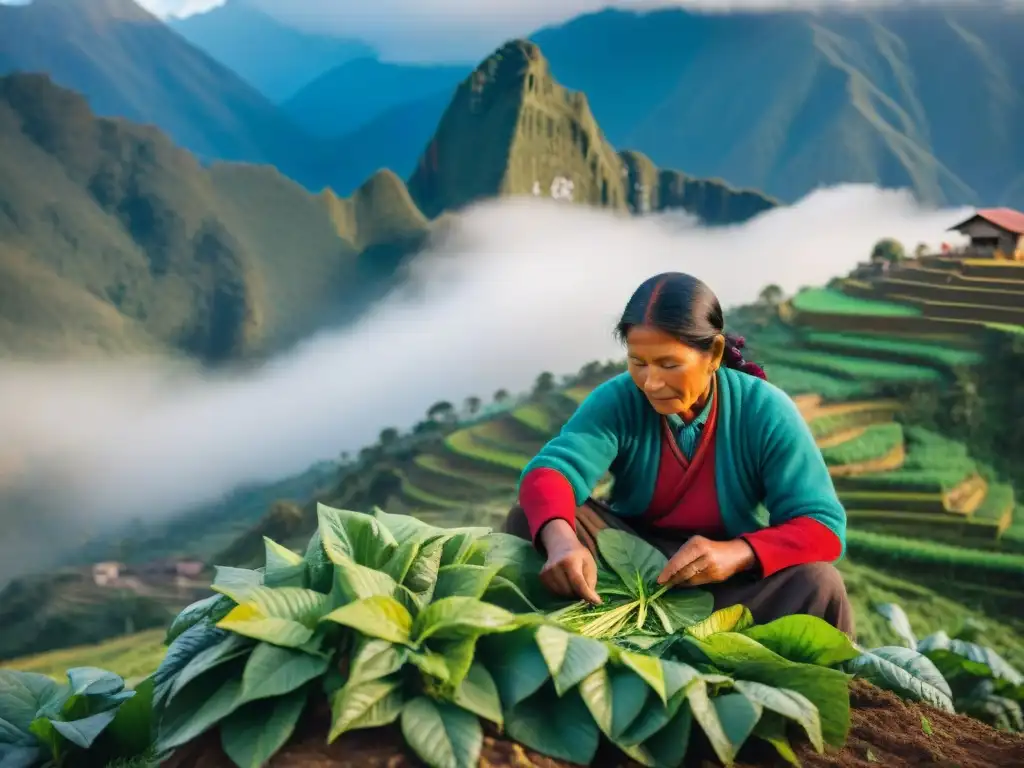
x=570 y=570
x=703 y=561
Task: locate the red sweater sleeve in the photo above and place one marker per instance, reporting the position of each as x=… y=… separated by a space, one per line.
x=796 y=542
x=545 y=495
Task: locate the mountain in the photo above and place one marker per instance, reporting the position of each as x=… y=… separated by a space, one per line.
x=349 y=96
x=275 y=58
x=926 y=96
x=511 y=129
x=129 y=64
x=112 y=239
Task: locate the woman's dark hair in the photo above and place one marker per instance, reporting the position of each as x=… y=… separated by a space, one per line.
x=685 y=308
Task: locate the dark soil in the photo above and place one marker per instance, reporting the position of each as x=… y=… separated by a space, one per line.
x=886 y=732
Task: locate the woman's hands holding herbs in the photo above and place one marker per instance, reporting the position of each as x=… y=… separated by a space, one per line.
x=704 y=561
x=570 y=570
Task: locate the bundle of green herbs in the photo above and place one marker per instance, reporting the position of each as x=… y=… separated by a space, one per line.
x=633 y=604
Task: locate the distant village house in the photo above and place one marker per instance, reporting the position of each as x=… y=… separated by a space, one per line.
x=995 y=232
x=111 y=574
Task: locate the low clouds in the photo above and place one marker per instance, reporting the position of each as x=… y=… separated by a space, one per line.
x=520 y=286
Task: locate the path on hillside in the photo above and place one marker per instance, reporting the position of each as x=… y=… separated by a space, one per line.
x=886 y=731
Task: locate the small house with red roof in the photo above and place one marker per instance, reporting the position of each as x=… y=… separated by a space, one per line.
x=995 y=232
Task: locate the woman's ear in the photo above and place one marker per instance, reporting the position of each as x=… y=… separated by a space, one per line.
x=717 y=352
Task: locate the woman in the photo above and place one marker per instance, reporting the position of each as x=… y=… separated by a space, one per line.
x=699 y=443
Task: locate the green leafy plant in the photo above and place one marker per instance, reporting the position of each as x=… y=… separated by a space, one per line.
x=957 y=674
x=436 y=630
x=88 y=721
x=633 y=604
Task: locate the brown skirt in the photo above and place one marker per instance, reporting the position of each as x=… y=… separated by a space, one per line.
x=816 y=589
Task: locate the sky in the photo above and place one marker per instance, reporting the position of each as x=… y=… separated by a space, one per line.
x=521 y=286
x=448 y=30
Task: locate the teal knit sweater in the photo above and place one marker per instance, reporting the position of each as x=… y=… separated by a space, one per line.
x=768 y=468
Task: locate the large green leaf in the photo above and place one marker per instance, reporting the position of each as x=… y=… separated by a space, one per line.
x=374 y=659
x=463 y=581
x=26 y=695
x=806 y=639
x=667 y=748
x=283 y=616
x=82 y=733
x=406 y=527
x=479 y=694
x=356 y=582
x=348 y=535
x=380 y=617
x=229 y=649
x=570 y=658
x=199 y=707
x=450 y=659
x=508 y=595
x=560 y=727
x=319 y=569
x=790 y=704
x=20 y=755
x=650 y=670
x=905 y=672
x=517 y=665
x=273 y=671
x=458 y=617
x=772 y=728
x=735 y=618
x=747 y=659
x=685 y=607
x=284 y=568
x=421 y=578
x=210 y=609
x=443 y=735
x=982 y=656
x=629 y=694
x=514 y=557
x=628 y=555
x=900 y=622
x=401 y=559
x=185 y=647
x=369 y=704
x=93 y=681
x=596 y=691
x=236 y=583
x=738 y=716
x=130 y=733
x=459 y=543
x=254 y=733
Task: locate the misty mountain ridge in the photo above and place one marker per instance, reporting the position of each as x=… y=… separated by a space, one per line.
x=274 y=57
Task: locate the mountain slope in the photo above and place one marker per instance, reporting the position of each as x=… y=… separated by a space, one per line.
x=113 y=239
x=129 y=64
x=275 y=58
x=925 y=96
x=349 y=96
x=512 y=130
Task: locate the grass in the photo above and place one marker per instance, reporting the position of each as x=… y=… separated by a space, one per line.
x=876 y=442
x=911 y=349
x=856 y=368
x=464 y=444
x=535 y=417
x=131 y=656
x=829 y=301
x=799 y=381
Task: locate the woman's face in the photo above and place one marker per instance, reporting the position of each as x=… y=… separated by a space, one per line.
x=673 y=375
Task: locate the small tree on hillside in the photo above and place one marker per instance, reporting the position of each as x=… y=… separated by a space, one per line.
x=888 y=250
x=441 y=411
x=545 y=383
x=501 y=396
x=473 y=404
x=388 y=436
x=921 y=250
x=590 y=371
x=771 y=295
